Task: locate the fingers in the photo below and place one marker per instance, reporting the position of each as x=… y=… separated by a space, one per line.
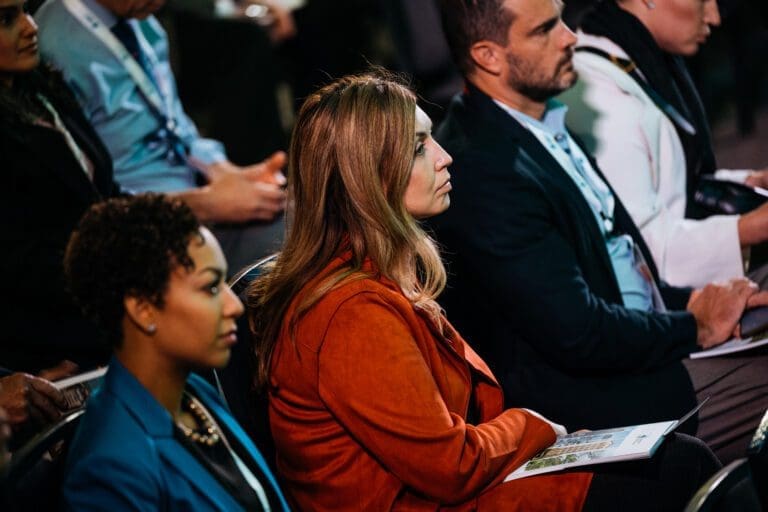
x=268 y=171
x=46 y=389
x=65 y=368
x=277 y=160
x=42 y=406
x=13 y=398
x=758 y=299
x=268 y=201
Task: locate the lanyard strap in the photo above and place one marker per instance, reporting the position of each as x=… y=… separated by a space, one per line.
x=59 y=125
x=162 y=101
x=630 y=68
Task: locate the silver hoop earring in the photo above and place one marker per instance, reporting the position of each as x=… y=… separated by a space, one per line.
x=151 y=329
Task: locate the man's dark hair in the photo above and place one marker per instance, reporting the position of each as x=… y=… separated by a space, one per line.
x=127 y=247
x=466 y=22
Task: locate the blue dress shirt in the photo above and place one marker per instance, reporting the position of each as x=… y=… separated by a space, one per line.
x=636 y=290
x=145 y=154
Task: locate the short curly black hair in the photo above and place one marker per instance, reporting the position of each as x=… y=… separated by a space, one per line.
x=127 y=246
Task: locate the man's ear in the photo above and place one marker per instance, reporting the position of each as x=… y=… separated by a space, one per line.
x=140 y=312
x=488 y=56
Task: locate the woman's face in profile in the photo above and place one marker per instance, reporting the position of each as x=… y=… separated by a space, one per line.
x=18 y=38
x=681 y=26
x=196 y=326
x=429 y=183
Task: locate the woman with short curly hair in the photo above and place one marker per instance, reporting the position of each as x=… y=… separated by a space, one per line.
x=154 y=436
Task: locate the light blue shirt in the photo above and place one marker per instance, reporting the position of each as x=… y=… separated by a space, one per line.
x=636 y=291
x=135 y=135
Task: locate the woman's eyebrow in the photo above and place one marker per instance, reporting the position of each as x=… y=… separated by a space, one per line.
x=216 y=271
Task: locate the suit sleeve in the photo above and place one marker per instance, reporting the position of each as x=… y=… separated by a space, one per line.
x=509 y=236
x=376 y=382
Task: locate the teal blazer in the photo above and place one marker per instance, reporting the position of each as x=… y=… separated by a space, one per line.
x=124 y=455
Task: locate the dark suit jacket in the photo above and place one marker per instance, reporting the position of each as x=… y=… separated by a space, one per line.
x=532 y=287
x=44 y=194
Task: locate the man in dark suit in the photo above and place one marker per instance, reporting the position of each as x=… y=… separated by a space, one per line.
x=547 y=272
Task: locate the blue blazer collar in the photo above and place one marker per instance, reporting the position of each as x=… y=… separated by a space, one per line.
x=158 y=424
x=142 y=406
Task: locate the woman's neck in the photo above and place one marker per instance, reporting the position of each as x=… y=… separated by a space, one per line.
x=164 y=380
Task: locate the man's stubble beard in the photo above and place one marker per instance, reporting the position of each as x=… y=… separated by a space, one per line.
x=523 y=79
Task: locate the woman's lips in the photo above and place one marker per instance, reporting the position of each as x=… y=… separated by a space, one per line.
x=32 y=48
x=229 y=337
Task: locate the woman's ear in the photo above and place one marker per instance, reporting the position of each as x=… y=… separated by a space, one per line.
x=487 y=56
x=141 y=313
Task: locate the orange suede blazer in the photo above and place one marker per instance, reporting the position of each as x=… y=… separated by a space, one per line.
x=368 y=411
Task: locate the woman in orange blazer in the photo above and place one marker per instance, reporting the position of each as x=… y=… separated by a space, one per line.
x=375 y=401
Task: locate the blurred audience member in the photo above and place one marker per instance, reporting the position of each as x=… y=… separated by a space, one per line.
x=423 y=53
x=333 y=38
x=114 y=55
x=155 y=436
x=230 y=77
x=54 y=166
x=745 y=24
x=638 y=111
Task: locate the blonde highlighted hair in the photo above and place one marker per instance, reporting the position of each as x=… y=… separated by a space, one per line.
x=350 y=160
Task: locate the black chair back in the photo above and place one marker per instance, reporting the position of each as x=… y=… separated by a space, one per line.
x=236 y=380
x=731 y=488
x=33 y=479
x=757 y=453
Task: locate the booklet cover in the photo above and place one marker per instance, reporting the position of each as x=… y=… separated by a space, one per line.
x=77 y=389
x=733 y=345
x=600 y=446
x=596 y=447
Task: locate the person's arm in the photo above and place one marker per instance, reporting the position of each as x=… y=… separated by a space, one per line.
x=377 y=384
x=240 y=194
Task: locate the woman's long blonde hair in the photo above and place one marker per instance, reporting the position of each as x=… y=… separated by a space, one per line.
x=350 y=160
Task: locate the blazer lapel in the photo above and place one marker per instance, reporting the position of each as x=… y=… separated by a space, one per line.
x=175 y=455
x=530 y=157
x=239 y=437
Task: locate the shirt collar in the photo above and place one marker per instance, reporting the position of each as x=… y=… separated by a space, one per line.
x=552 y=122
x=106 y=16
